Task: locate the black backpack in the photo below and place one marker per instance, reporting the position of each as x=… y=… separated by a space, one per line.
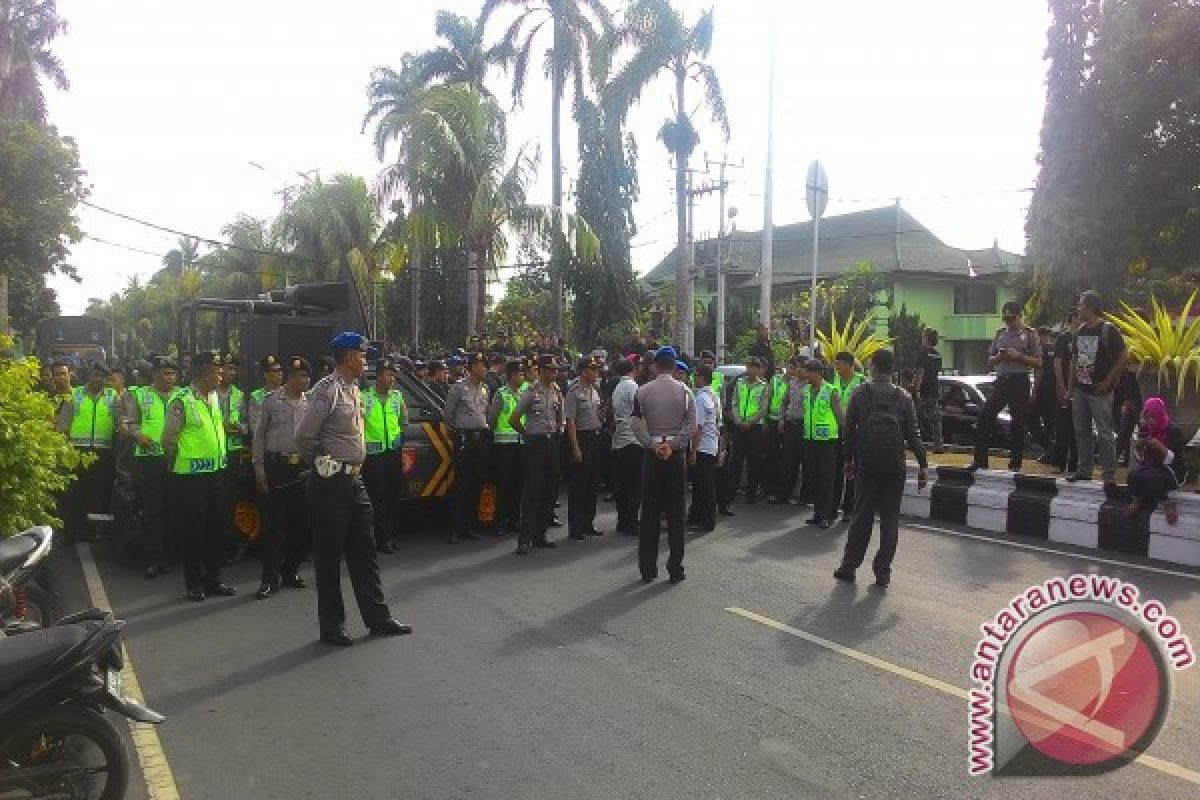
x=881 y=439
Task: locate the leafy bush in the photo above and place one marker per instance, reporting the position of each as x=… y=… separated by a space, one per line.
x=858 y=339
x=1172 y=346
x=36 y=461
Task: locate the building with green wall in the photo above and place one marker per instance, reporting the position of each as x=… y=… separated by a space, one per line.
x=957 y=291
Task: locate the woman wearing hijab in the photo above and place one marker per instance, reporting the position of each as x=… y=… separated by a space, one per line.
x=1158 y=457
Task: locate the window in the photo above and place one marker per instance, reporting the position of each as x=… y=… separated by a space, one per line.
x=975 y=298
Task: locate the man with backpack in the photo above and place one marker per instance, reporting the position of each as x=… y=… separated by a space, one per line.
x=880 y=419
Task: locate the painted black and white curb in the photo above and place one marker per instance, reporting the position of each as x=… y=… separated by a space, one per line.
x=1085 y=514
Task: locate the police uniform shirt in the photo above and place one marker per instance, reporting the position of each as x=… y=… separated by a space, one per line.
x=668 y=410
x=1023 y=340
x=276 y=429
x=622 y=409
x=542 y=407
x=793 y=403
x=466 y=406
x=332 y=424
x=708 y=420
x=582 y=404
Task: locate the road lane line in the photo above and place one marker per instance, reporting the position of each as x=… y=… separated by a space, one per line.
x=160 y=781
x=1166 y=767
x=1021 y=545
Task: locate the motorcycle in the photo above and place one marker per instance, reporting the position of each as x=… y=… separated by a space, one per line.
x=26 y=597
x=55 y=686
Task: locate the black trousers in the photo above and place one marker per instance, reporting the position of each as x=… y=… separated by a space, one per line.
x=197 y=502
x=285 y=538
x=664 y=490
x=1041 y=420
x=507 y=466
x=820 y=464
x=89 y=493
x=159 y=540
x=793 y=458
x=339 y=511
x=772 y=457
x=1011 y=391
x=381 y=478
x=1127 y=421
x=585 y=474
x=540 y=490
x=746 y=452
x=875 y=496
x=629 y=487
x=843 y=487
x=704 y=492
x=470 y=465
x=1063 y=455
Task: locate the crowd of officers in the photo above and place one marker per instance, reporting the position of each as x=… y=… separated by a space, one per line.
x=635 y=426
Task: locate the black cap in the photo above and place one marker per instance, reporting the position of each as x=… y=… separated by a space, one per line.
x=497 y=358
x=230 y=360
x=472 y=359
x=1011 y=307
x=815 y=365
x=206 y=359
x=100 y=367
x=269 y=362
x=163 y=362
x=405 y=363
x=420 y=364
x=385 y=364
x=708 y=354
x=298 y=364
x=587 y=362
x=328 y=363
x=547 y=361
x=514 y=366
x=437 y=364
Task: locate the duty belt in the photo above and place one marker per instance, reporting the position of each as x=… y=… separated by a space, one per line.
x=291 y=459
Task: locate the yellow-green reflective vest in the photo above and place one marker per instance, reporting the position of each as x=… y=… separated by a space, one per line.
x=820 y=423
x=383 y=421
x=505 y=433
x=778 y=390
x=749 y=399
x=718 y=381
x=152 y=411
x=845 y=389
x=95 y=419
x=201 y=446
x=234 y=440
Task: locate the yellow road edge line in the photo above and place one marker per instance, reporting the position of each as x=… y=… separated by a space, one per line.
x=160 y=781
x=1162 y=765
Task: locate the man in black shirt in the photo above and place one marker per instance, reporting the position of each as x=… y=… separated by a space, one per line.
x=1098 y=364
x=929 y=366
x=762 y=350
x=1062 y=455
x=1041 y=410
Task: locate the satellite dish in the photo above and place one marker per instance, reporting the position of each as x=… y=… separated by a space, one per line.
x=816 y=190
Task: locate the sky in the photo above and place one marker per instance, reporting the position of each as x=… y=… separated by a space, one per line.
x=935 y=102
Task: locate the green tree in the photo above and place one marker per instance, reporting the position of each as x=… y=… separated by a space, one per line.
x=35 y=459
x=664 y=42
x=905 y=329
x=464 y=58
x=27 y=27
x=578 y=29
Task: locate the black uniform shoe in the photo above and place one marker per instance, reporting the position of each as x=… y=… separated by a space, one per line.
x=813 y=521
x=882 y=581
x=975 y=466
x=338 y=637
x=825 y=524
x=165 y=569
x=555 y=522
x=844 y=573
x=219 y=589
x=725 y=511
x=386 y=548
x=523 y=549
x=151 y=572
x=265 y=591
x=649 y=577
x=390 y=627
x=577 y=536
x=776 y=500
x=453 y=539
x=545 y=544
x=294 y=581
x=678 y=577
x=594 y=532
x=1014 y=466
x=195 y=595
x=472 y=535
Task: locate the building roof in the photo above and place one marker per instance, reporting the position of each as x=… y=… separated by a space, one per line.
x=889 y=238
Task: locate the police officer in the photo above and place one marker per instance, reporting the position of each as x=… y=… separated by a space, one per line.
x=507 y=448
x=749 y=410
x=233 y=409
x=793 y=432
x=466 y=416
x=437 y=379
x=822 y=422
x=330 y=438
x=385 y=416
x=538 y=417
x=90 y=421
x=772 y=453
x=1015 y=350
x=278 y=475
x=194 y=443
x=581 y=411
x=668 y=422
x=145 y=418
x=272 y=372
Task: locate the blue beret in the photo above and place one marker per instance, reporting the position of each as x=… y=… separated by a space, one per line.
x=349 y=340
x=683 y=366
x=455 y=361
x=666 y=353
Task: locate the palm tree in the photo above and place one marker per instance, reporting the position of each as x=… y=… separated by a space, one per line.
x=578 y=29
x=179 y=259
x=242 y=271
x=27 y=27
x=463 y=59
x=664 y=42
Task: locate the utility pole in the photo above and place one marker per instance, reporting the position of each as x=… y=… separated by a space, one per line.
x=723 y=187
x=692 y=193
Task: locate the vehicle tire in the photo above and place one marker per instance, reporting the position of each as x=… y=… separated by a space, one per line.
x=62 y=733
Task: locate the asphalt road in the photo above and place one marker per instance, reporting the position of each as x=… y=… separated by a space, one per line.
x=560 y=675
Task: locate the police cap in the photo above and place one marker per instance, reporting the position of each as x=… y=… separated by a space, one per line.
x=385 y=365
x=206 y=359
x=587 y=362
x=455 y=361
x=163 y=362
x=547 y=361
x=814 y=365
x=270 y=362
x=437 y=365
x=708 y=354
x=230 y=360
x=473 y=359
x=682 y=366
x=298 y=364
x=666 y=355
x=349 y=340
x=99 y=368
x=514 y=366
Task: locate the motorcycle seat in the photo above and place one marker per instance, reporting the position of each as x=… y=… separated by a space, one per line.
x=26 y=656
x=15 y=550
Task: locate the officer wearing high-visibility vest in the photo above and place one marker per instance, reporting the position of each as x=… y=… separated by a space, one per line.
x=272 y=372
x=233 y=411
x=145 y=417
x=845 y=379
x=822 y=421
x=749 y=410
x=90 y=421
x=385 y=414
x=194 y=443
x=772 y=457
x=506 y=448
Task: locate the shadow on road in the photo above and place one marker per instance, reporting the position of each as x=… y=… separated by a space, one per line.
x=849 y=616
